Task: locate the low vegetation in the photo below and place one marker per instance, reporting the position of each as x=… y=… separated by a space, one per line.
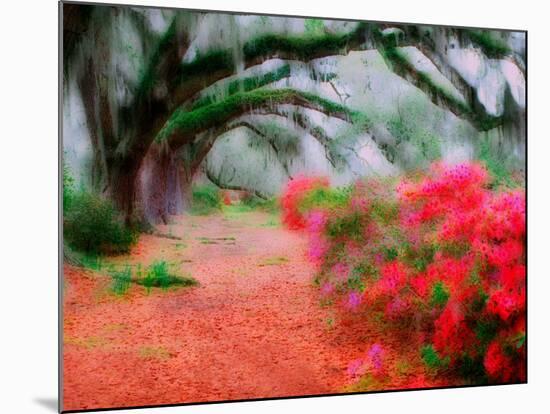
x=206 y=200
x=158 y=274
x=91 y=223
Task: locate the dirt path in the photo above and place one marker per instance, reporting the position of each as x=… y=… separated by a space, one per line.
x=252 y=329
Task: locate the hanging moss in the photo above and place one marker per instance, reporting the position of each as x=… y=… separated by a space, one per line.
x=492 y=46
x=149 y=76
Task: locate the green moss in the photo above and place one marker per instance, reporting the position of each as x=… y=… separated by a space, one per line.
x=314 y=43
x=401 y=65
x=247 y=84
x=210 y=62
x=219 y=112
x=492 y=46
x=439 y=90
x=302 y=47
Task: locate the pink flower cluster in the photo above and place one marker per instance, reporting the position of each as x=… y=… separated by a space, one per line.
x=445 y=249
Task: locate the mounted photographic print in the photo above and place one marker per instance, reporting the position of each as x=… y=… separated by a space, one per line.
x=259 y=207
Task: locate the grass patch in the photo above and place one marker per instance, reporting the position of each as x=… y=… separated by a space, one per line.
x=274 y=261
x=89 y=342
x=114 y=327
x=271 y=205
x=216 y=240
x=209 y=242
x=403 y=367
x=206 y=200
x=238 y=208
x=121 y=280
x=366 y=383
x=273 y=222
x=154 y=352
x=92 y=261
x=158 y=274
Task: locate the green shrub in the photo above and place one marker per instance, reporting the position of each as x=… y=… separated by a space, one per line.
x=93 y=225
x=495 y=163
x=68 y=187
x=440 y=295
x=432 y=359
x=325 y=198
x=206 y=200
x=271 y=205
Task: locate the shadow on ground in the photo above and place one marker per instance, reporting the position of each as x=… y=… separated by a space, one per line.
x=49 y=403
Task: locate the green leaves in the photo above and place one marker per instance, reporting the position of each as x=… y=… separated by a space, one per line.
x=440 y=294
x=432 y=359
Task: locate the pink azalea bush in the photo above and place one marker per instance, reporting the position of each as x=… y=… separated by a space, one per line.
x=441 y=253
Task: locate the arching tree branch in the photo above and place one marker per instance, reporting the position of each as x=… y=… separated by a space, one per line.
x=220 y=184
x=183 y=126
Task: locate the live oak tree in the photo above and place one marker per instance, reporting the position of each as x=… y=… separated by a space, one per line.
x=167 y=117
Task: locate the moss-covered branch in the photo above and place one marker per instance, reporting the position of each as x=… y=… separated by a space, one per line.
x=218 y=182
x=439 y=95
x=304 y=47
x=491 y=46
x=245 y=84
x=184 y=125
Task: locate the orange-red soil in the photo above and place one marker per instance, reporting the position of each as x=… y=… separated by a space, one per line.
x=253 y=328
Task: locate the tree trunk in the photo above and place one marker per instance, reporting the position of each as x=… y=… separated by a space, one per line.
x=122 y=188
